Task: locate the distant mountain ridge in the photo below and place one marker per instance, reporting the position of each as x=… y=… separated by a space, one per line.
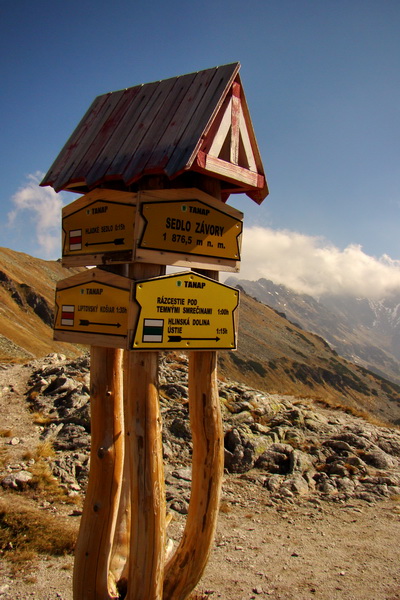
x=365 y=331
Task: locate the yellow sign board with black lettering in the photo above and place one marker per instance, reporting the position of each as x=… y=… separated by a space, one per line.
x=184 y=310
x=187 y=311
x=191 y=227
x=98 y=228
x=188 y=228
x=94 y=307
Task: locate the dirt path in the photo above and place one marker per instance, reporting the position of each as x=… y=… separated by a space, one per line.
x=263 y=550
x=285 y=552
x=307 y=550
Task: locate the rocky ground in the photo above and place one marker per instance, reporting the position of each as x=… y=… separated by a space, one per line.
x=311 y=497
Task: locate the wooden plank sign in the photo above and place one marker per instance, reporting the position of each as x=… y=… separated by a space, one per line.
x=98 y=228
x=187 y=311
x=94 y=307
x=187 y=227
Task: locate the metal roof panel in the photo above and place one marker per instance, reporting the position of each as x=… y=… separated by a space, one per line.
x=157 y=127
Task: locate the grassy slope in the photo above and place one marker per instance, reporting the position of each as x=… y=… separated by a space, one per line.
x=22 y=333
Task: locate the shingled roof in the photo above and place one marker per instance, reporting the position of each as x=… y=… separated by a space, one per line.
x=196 y=122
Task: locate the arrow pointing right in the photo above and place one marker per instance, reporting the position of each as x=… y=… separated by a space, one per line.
x=178 y=338
x=86 y=323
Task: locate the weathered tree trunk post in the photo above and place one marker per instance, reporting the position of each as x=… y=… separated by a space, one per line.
x=145 y=455
x=92 y=577
x=119 y=564
x=186 y=566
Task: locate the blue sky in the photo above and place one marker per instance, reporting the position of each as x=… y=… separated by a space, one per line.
x=321 y=77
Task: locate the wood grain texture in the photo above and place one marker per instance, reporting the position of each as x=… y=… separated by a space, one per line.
x=87 y=148
x=144 y=447
x=143 y=439
x=186 y=566
x=92 y=578
x=119 y=123
x=119 y=562
x=227 y=171
x=235 y=120
x=77 y=138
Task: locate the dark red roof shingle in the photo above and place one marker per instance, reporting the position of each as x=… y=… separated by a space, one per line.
x=154 y=128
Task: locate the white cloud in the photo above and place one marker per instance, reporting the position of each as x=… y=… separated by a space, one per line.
x=42 y=208
x=313 y=266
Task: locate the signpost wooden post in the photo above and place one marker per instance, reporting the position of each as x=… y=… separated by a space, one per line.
x=145 y=457
x=155 y=198
x=92 y=576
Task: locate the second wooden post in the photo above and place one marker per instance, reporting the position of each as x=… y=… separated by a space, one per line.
x=145 y=456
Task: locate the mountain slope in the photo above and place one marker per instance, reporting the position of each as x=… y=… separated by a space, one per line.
x=274 y=355
x=364 y=331
x=27 y=288
x=277 y=356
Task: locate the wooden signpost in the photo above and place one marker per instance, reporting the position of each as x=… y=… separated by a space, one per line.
x=155 y=164
x=94 y=307
x=184 y=227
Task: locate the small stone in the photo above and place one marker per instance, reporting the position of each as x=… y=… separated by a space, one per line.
x=14 y=441
x=183 y=473
x=17 y=480
x=4 y=588
x=257 y=590
x=180 y=506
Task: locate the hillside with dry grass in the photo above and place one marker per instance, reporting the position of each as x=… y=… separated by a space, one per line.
x=274 y=355
x=277 y=356
x=27 y=287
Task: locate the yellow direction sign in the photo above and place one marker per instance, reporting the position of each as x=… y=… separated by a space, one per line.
x=99 y=228
x=93 y=308
x=192 y=227
x=187 y=311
